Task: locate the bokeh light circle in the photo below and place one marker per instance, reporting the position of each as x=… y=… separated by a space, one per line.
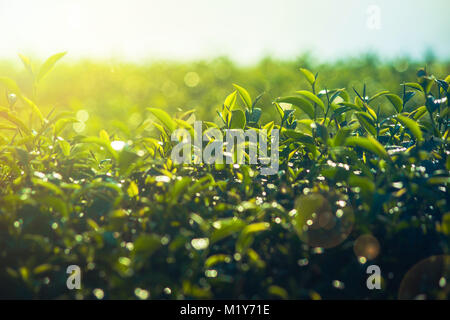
x=321 y=222
x=366 y=246
x=191 y=79
x=428 y=279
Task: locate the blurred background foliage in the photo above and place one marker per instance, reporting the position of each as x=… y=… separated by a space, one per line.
x=114 y=95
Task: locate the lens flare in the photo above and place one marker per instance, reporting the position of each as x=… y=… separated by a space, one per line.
x=318 y=222
x=428 y=279
x=366 y=246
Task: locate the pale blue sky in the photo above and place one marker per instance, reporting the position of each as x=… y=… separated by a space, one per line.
x=245 y=30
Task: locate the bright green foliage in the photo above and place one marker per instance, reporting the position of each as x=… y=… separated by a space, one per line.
x=111 y=200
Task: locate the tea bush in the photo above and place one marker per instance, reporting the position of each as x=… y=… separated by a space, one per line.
x=363 y=180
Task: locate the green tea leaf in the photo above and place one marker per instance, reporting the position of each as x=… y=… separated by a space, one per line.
x=48 y=65
x=366 y=122
x=278 y=292
x=419 y=113
x=412 y=126
x=311 y=96
x=226 y=227
x=11 y=85
x=133 y=190
x=215 y=259
x=33 y=107
x=238 y=120
x=229 y=105
x=413 y=85
x=27 y=64
x=164 y=117
x=245 y=96
x=308 y=75
x=379 y=94
x=12 y=118
x=299 y=136
x=370 y=144
x=65 y=147
x=145 y=245
x=396 y=101
x=300 y=103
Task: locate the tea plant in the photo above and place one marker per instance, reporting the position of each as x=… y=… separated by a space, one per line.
x=140 y=226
